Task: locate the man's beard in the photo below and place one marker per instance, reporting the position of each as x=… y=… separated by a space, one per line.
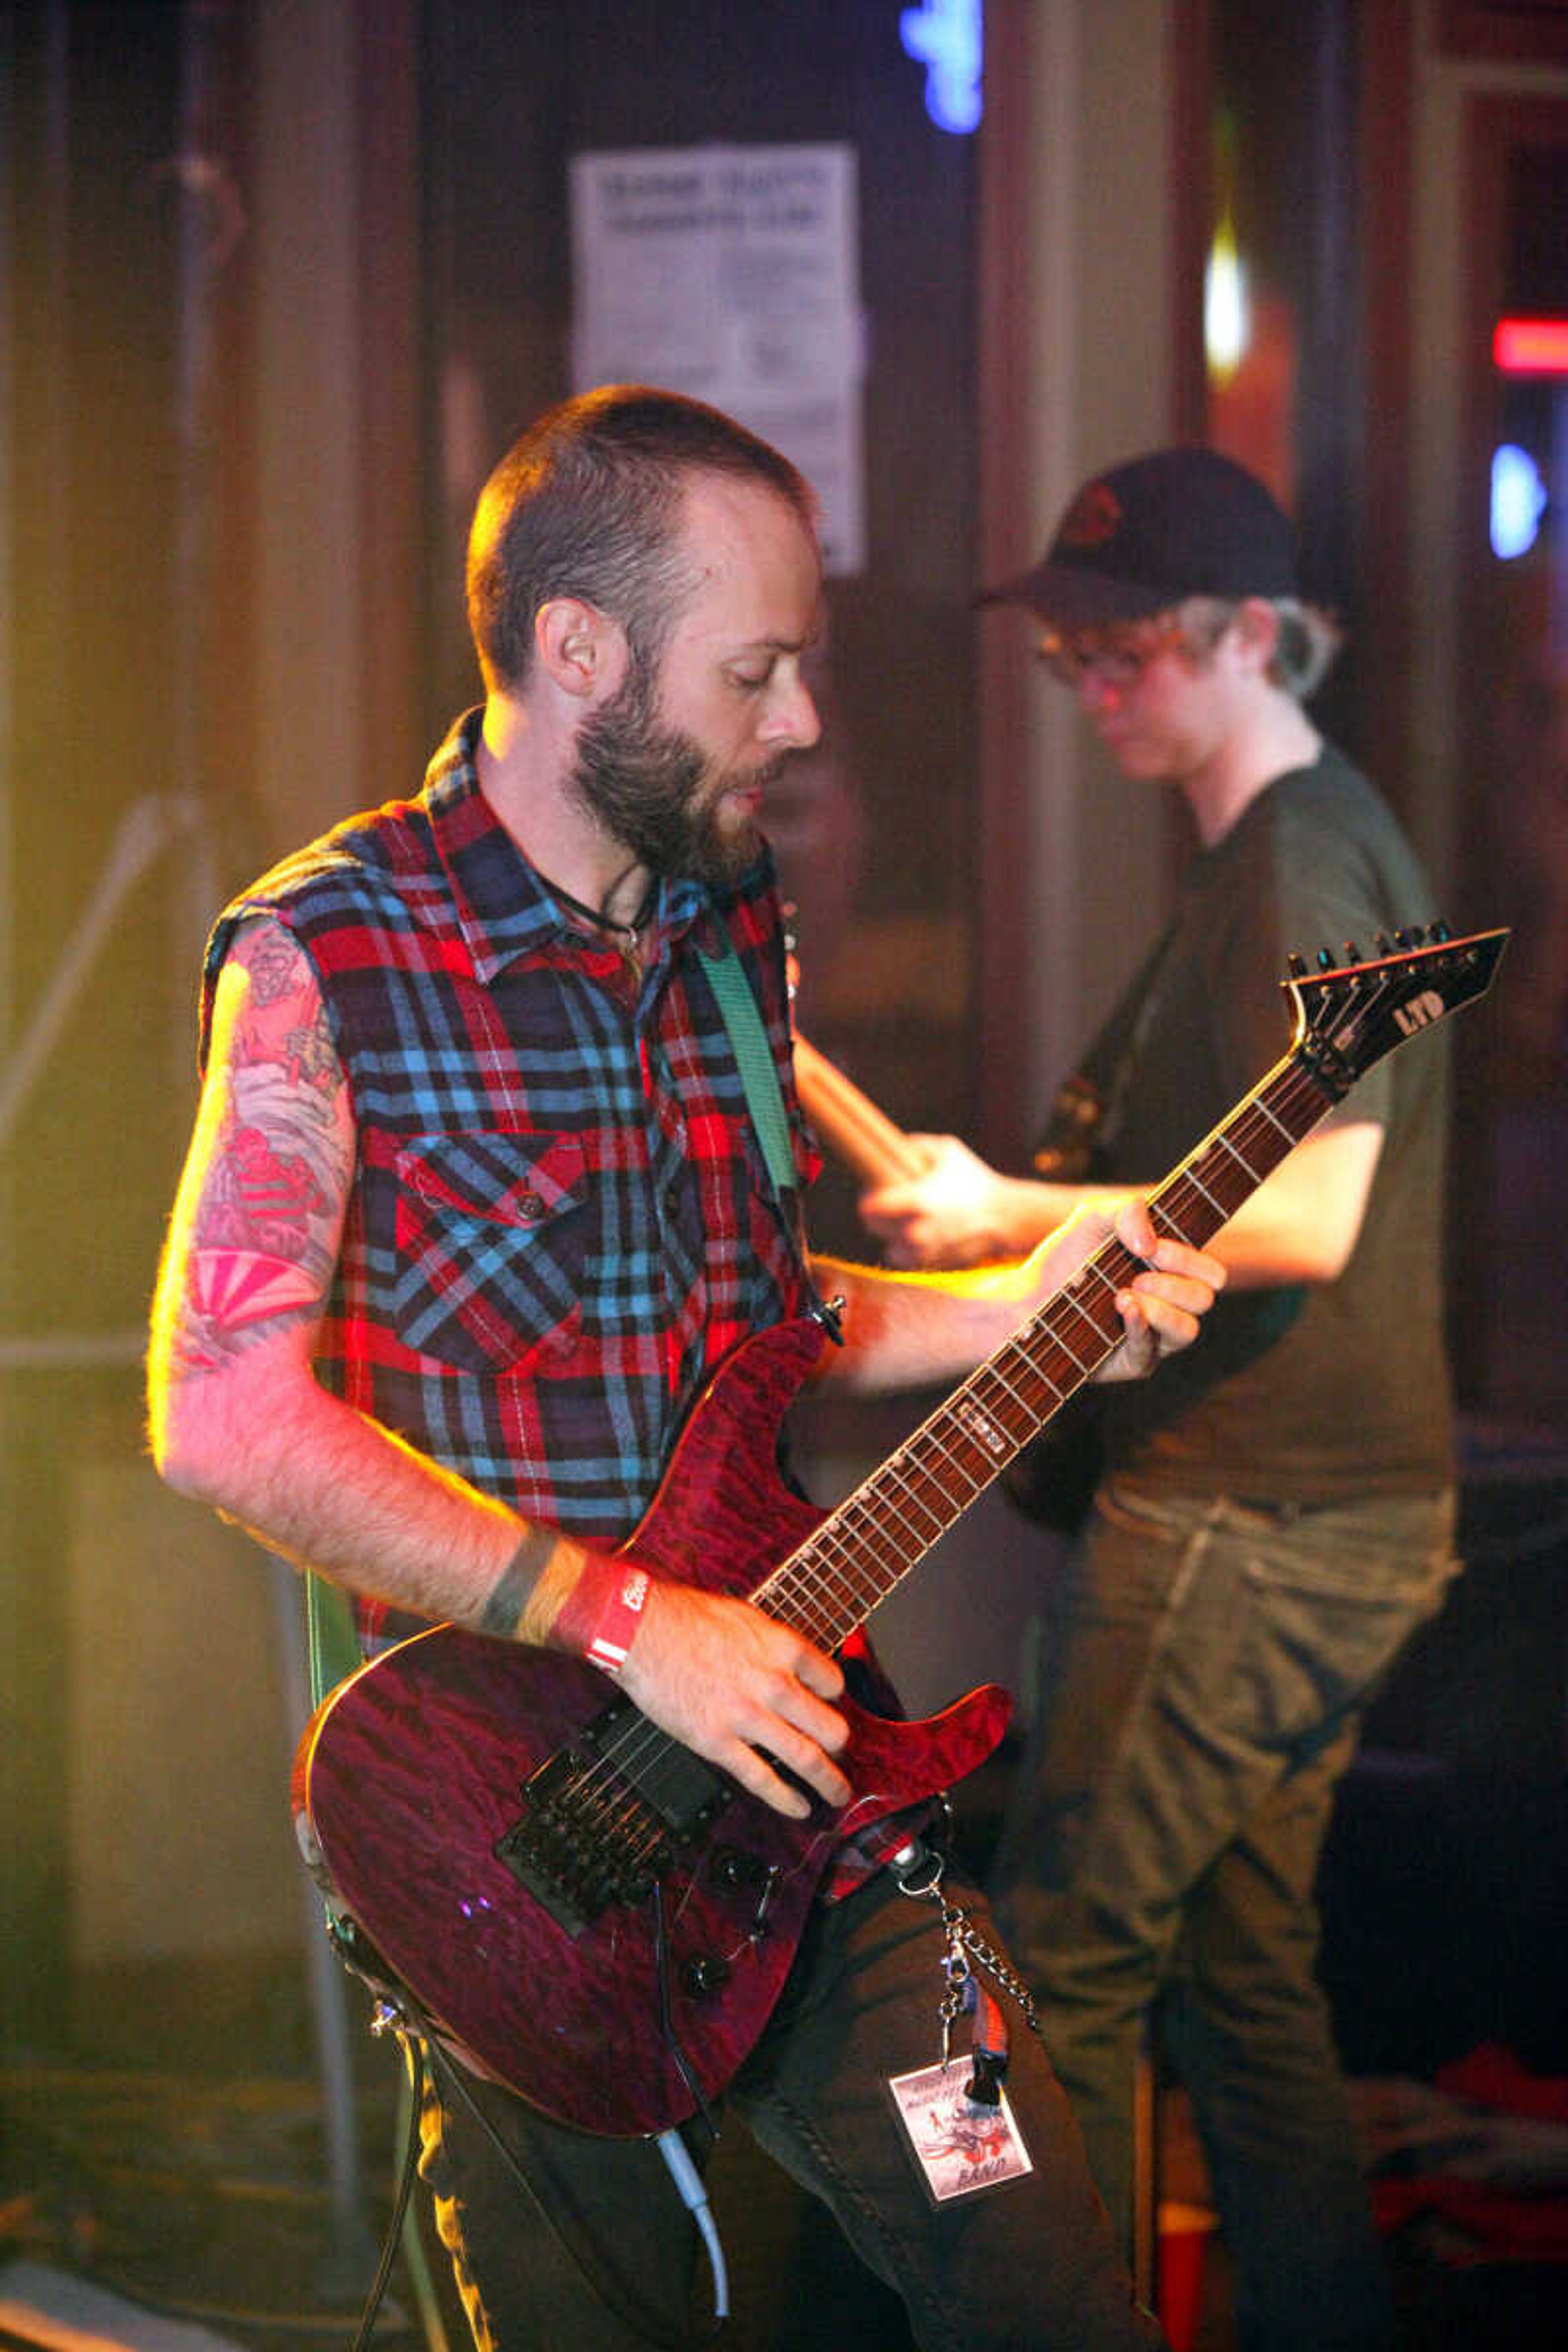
x=644 y=784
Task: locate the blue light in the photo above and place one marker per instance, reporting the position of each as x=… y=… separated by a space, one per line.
x=944 y=36
x=1519 y=501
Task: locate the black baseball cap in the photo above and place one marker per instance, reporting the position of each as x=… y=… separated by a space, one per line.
x=1154 y=531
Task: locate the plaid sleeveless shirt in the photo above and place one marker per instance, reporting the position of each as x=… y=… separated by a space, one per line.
x=560 y=1217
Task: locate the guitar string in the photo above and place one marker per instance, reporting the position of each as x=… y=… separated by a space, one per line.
x=1292 y=1088
x=1294 y=1082
x=632 y=1748
x=826 y=1538
x=994 y=1371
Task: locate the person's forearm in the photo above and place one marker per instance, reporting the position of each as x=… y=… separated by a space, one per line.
x=902 y=1330
x=1301 y=1225
x=1024 y=1209
x=336 y=1491
x=908 y=1329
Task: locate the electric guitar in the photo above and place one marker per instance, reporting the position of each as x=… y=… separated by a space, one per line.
x=581 y=1907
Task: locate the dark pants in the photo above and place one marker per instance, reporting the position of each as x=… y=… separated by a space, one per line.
x=1029 y=2266
x=1207 y=1662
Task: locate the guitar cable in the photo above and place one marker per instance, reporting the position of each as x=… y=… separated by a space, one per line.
x=693 y=2194
x=671 y=2147
x=393 y=2238
x=443 y=2070
x=666 y=2019
x=396 y=2010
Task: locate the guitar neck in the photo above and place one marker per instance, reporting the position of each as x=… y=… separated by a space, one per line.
x=866 y=1547
x=1348 y=1016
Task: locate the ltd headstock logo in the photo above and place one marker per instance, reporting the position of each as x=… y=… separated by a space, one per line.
x=1419 y=1013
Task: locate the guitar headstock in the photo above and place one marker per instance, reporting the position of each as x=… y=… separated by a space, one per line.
x=1349 y=1014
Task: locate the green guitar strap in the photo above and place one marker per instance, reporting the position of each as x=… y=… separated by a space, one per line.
x=332 y=1638
x=754 y=1059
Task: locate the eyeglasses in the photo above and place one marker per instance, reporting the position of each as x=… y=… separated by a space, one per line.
x=1115 y=659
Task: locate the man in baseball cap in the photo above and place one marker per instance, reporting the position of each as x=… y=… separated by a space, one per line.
x=1144 y=537
x=1274 y=1518
x=1173 y=552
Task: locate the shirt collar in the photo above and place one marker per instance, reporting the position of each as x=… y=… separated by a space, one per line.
x=503 y=904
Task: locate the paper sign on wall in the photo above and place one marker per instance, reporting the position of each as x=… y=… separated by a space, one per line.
x=731 y=274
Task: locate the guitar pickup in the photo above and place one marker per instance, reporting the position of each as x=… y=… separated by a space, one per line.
x=679 y=1788
x=600 y=1821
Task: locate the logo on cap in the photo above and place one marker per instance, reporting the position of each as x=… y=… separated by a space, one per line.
x=1093 y=518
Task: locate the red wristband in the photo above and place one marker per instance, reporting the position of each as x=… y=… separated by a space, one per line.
x=600 y=1616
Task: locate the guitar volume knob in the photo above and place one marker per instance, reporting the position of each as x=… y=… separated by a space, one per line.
x=734 y=1866
x=704 y=1975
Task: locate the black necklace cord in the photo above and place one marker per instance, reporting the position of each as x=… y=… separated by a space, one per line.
x=631 y=933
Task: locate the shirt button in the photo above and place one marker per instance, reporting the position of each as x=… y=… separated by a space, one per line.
x=532 y=1204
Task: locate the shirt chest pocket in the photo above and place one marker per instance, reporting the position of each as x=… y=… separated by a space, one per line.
x=491 y=1236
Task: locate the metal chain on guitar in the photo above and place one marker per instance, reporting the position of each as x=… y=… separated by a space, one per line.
x=960 y=1932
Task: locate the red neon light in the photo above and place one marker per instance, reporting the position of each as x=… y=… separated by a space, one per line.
x=1531 y=346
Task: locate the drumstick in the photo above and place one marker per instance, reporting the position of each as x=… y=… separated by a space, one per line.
x=864 y=1137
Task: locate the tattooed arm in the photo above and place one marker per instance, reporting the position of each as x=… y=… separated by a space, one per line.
x=238 y=1419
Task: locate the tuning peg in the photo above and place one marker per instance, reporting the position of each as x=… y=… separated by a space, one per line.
x=1325 y=960
x=1438 y=931
x=1383 y=944
x=1295 y=965
x=1352 y=953
x=1408 y=938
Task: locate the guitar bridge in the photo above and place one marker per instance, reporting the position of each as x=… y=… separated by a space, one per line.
x=602 y=1821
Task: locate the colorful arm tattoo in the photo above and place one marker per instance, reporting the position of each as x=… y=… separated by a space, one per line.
x=277 y=1156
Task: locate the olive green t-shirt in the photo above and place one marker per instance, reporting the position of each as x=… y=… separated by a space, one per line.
x=1317 y=1392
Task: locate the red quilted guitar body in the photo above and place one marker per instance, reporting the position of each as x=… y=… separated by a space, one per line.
x=411 y=1777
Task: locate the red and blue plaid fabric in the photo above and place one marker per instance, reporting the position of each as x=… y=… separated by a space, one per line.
x=561 y=1219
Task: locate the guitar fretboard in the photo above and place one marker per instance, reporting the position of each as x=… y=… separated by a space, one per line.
x=866 y=1547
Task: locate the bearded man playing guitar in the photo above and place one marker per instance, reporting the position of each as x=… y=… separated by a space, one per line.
x=473 y=1212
